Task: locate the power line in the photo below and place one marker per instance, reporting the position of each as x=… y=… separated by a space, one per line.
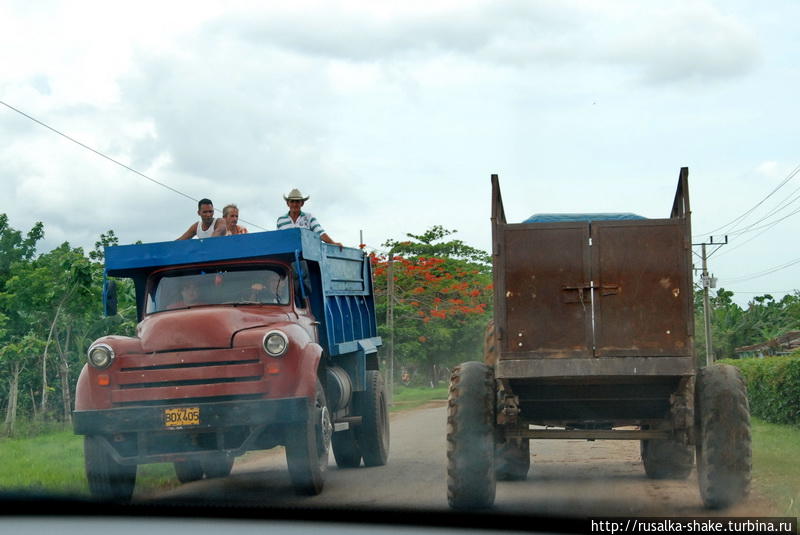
x=109 y=158
x=767 y=271
x=738 y=219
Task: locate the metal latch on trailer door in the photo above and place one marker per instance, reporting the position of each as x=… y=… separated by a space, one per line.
x=581 y=293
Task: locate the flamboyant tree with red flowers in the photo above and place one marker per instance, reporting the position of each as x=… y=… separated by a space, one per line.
x=442 y=299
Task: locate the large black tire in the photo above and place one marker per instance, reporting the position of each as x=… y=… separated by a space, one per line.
x=512 y=459
x=471 y=479
x=307 y=447
x=188 y=471
x=666 y=459
x=345 y=449
x=373 y=433
x=108 y=479
x=724 y=455
x=218 y=466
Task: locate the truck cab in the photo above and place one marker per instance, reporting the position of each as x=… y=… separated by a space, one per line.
x=243 y=343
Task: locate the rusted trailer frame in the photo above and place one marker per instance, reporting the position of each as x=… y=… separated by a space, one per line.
x=592 y=338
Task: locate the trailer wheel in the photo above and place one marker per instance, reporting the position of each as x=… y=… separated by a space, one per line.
x=373 y=433
x=724 y=455
x=512 y=459
x=108 y=479
x=666 y=459
x=345 y=449
x=218 y=466
x=307 y=447
x=470 y=437
x=188 y=471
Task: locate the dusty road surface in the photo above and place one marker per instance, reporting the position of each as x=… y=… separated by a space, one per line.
x=567 y=477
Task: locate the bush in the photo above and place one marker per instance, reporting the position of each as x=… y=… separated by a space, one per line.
x=773 y=387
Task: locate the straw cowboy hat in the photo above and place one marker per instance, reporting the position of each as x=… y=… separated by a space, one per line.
x=295 y=195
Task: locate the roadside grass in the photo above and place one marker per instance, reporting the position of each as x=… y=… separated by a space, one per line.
x=404 y=397
x=53 y=464
x=776 y=472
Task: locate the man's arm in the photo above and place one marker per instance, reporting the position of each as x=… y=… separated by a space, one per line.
x=327 y=239
x=190 y=232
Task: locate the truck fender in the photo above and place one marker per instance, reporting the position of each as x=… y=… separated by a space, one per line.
x=83 y=391
x=307 y=370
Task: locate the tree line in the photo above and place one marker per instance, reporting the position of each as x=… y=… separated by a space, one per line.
x=51 y=310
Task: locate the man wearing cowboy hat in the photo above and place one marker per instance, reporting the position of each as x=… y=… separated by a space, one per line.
x=296 y=218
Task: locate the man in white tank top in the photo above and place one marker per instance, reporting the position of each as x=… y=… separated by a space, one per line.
x=207 y=225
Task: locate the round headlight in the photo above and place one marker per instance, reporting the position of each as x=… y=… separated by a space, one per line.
x=101 y=355
x=275 y=343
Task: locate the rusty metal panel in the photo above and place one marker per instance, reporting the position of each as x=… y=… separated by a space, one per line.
x=643 y=289
x=546 y=306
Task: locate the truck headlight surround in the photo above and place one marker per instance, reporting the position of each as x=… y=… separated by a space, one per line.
x=275 y=343
x=100 y=355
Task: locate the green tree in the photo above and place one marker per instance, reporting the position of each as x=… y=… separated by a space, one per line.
x=442 y=297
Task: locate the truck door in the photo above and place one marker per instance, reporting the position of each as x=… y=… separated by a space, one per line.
x=599 y=289
x=547 y=307
x=640 y=288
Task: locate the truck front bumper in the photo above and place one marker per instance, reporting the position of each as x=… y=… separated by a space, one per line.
x=138 y=435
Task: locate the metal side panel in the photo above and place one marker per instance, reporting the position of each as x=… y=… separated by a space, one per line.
x=547 y=308
x=641 y=288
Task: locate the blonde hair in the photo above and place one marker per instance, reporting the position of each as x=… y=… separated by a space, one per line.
x=228 y=209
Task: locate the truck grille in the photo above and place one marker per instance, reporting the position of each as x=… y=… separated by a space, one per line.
x=184 y=376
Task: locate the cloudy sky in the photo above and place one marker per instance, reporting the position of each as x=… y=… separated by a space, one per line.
x=393 y=116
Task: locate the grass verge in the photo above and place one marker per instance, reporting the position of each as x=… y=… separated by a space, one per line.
x=405 y=397
x=53 y=464
x=776 y=472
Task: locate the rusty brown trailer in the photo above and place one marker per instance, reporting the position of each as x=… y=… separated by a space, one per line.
x=594 y=321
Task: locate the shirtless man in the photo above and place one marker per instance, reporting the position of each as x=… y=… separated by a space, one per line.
x=207 y=226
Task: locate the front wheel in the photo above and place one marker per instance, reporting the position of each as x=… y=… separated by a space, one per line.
x=307 y=446
x=471 y=479
x=108 y=479
x=373 y=433
x=724 y=455
x=218 y=466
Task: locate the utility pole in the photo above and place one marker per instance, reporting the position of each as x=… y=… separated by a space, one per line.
x=708 y=282
x=706 y=308
x=390 y=322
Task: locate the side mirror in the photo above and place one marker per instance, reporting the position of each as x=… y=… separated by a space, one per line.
x=110 y=298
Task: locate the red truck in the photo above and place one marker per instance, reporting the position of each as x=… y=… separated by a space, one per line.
x=243 y=343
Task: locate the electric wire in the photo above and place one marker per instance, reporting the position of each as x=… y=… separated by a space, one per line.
x=736 y=220
x=109 y=158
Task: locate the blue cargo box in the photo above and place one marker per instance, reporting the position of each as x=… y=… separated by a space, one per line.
x=341 y=294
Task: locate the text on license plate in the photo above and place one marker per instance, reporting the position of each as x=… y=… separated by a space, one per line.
x=182 y=416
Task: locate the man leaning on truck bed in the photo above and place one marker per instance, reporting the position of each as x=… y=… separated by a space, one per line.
x=296 y=218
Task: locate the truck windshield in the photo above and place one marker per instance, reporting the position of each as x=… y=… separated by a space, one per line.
x=186 y=288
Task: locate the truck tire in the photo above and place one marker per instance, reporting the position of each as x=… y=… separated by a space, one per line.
x=217 y=466
x=373 y=433
x=724 y=455
x=345 y=449
x=108 y=479
x=188 y=471
x=307 y=447
x=471 y=479
x=512 y=459
x=666 y=459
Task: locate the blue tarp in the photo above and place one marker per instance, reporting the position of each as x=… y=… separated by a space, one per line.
x=567 y=218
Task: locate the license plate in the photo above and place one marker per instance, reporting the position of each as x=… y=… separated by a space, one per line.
x=182 y=416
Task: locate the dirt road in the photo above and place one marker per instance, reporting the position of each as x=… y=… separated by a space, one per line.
x=567 y=477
